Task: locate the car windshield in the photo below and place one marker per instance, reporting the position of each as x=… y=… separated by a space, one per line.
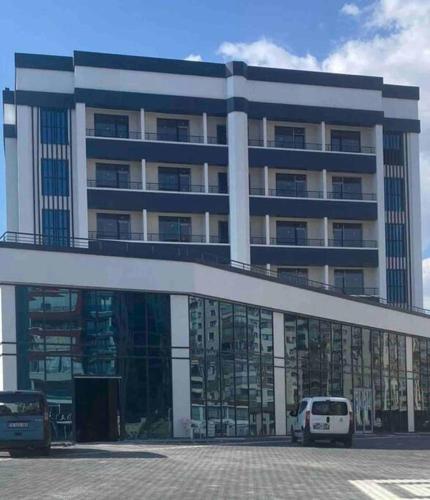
x=329 y=408
x=17 y=405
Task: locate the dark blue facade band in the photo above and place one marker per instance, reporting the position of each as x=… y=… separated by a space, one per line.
x=150 y=102
x=8 y=96
x=237 y=104
x=401 y=92
x=282 y=207
x=153 y=64
x=314 y=257
x=116 y=149
x=312 y=160
x=401 y=125
x=44 y=99
x=42 y=61
x=236 y=68
x=159 y=202
x=9 y=131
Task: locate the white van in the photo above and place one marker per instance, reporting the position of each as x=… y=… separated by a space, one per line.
x=323 y=418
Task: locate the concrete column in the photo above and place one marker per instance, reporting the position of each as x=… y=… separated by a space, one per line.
x=238 y=175
x=268 y=268
x=143 y=174
x=265 y=132
x=279 y=376
x=8 y=364
x=325 y=222
x=267 y=228
x=326 y=275
x=207 y=228
x=142 y=124
x=206 y=177
x=324 y=183
x=80 y=177
x=205 y=128
x=382 y=276
x=266 y=181
x=410 y=385
x=181 y=387
x=11 y=179
x=145 y=224
x=25 y=170
x=323 y=139
x=414 y=198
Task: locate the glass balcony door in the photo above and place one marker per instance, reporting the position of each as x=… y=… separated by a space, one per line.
x=291 y=185
x=348 y=188
x=175 y=228
x=174 y=179
x=289 y=137
x=291 y=233
x=115 y=176
x=169 y=129
x=350 y=281
x=345 y=140
x=346 y=235
x=114 y=226
x=111 y=125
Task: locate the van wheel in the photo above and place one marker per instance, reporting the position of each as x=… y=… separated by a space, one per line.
x=307 y=440
x=293 y=436
x=347 y=442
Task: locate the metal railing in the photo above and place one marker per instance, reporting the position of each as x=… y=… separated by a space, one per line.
x=187 y=188
x=334 y=195
x=352 y=243
x=125 y=249
x=91 y=132
x=350 y=149
x=306 y=242
x=107 y=235
x=215 y=238
x=311 y=146
x=117 y=184
x=177 y=238
x=295 y=193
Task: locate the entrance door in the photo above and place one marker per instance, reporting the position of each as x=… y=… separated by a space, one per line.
x=96 y=409
x=363 y=409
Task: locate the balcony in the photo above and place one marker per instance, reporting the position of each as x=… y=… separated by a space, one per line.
x=111 y=134
x=114 y=184
x=350 y=149
x=177 y=238
x=286 y=193
x=351 y=196
x=310 y=146
x=279 y=241
x=194 y=139
x=185 y=188
x=352 y=243
x=358 y=291
x=125 y=236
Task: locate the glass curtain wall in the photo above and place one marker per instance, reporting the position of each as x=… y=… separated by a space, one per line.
x=232 y=376
x=367 y=366
x=64 y=333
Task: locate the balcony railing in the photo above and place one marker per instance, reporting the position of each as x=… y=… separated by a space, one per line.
x=115 y=184
x=195 y=139
x=290 y=193
x=307 y=242
x=312 y=146
x=187 y=188
x=351 y=196
x=352 y=243
x=215 y=238
x=350 y=149
x=91 y=132
x=175 y=237
x=110 y=235
x=359 y=291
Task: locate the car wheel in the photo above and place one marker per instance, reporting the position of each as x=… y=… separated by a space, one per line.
x=293 y=436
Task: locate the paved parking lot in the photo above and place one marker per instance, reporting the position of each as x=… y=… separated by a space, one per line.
x=389 y=466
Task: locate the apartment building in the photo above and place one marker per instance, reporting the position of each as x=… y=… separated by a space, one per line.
x=214 y=229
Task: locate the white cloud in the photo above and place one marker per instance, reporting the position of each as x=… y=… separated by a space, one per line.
x=394 y=43
x=194 y=57
x=350 y=9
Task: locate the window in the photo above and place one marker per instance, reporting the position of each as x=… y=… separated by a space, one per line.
x=169 y=129
x=348 y=188
x=349 y=281
x=345 y=140
x=394 y=194
x=397 y=286
x=393 y=148
x=111 y=125
x=174 y=179
x=56 y=227
x=114 y=226
x=294 y=275
x=346 y=235
x=222 y=231
x=333 y=408
x=395 y=235
x=291 y=185
x=55 y=177
x=221 y=134
x=290 y=137
x=222 y=182
x=291 y=233
x=53 y=126
x=114 y=176
x=175 y=228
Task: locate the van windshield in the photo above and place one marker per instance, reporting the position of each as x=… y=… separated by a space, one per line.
x=329 y=408
x=20 y=405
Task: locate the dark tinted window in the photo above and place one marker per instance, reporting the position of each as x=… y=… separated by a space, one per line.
x=15 y=404
x=55 y=177
x=329 y=408
x=53 y=126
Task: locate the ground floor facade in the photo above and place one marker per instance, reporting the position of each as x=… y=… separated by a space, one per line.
x=127 y=364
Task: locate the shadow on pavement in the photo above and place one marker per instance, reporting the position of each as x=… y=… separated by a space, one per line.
x=71 y=453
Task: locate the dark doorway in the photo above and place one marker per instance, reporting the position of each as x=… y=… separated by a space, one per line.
x=96 y=409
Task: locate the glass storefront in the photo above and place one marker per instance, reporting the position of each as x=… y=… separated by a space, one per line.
x=232 y=374
x=64 y=333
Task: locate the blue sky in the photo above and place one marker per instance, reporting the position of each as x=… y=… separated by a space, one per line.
x=368 y=37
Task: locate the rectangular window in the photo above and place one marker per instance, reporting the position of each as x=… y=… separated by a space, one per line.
x=349 y=281
x=111 y=125
x=223 y=231
x=174 y=179
x=347 y=235
x=55 y=177
x=345 y=140
x=291 y=233
x=393 y=148
x=114 y=226
x=290 y=137
x=175 y=228
x=53 y=126
x=294 y=275
x=169 y=129
x=293 y=185
x=394 y=194
x=348 y=188
x=222 y=182
x=221 y=134
x=397 y=286
x=395 y=236
x=56 y=227
x=114 y=176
